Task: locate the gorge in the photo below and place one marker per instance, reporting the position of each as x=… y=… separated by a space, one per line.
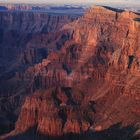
x=69 y=76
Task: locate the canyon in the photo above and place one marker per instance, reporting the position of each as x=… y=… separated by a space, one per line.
x=69 y=77
x=23 y=43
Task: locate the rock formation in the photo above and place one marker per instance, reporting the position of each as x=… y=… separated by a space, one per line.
x=24 y=41
x=89 y=78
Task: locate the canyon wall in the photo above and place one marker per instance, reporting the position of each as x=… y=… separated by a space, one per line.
x=25 y=38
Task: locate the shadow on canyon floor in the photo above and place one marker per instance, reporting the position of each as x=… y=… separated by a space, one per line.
x=115 y=132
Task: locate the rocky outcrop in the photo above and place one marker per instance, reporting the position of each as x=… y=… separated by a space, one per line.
x=53 y=115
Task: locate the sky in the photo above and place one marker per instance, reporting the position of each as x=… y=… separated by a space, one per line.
x=73 y=1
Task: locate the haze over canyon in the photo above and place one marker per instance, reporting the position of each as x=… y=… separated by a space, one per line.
x=69 y=75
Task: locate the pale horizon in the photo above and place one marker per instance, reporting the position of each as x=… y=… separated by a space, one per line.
x=134 y=2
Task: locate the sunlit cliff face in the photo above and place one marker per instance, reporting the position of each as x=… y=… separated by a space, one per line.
x=87 y=81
